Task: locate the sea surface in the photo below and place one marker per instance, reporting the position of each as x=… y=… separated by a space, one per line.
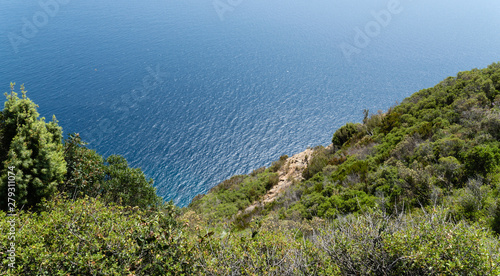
x=195 y=91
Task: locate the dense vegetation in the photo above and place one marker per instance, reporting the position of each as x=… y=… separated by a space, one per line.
x=438 y=144
x=412 y=191
x=434 y=156
x=87 y=237
x=33 y=148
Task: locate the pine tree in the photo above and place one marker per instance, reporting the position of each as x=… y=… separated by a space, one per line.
x=34 y=149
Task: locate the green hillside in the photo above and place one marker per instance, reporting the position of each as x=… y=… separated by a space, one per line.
x=433 y=147
x=410 y=191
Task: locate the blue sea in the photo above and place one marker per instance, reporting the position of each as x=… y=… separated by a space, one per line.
x=195 y=91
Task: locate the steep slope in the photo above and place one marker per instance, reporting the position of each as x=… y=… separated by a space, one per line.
x=422 y=151
x=290 y=172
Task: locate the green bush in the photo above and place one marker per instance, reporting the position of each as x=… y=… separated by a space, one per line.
x=272 y=180
x=127 y=186
x=416 y=244
x=232 y=195
x=267 y=253
x=470 y=202
x=449 y=172
x=482 y=159
x=344 y=133
x=277 y=165
x=319 y=159
x=352 y=201
x=495 y=222
x=390 y=121
x=85 y=237
x=85 y=169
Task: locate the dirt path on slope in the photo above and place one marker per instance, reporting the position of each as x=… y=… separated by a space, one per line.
x=291 y=170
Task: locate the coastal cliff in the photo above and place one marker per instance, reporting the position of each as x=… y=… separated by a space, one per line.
x=410 y=191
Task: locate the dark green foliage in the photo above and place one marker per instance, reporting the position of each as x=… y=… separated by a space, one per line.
x=43 y=165
x=276 y=165
x=449 y=172
x=471 y=200
x=272 y=180
x=35 y=152
x=85 y=169
x=495 y=224
x=86 y=237
x=351 y=172
x=344 y=133
x=127 y=186
x=482 y=159
x=450 y=146
x=390 y=121
x=316 y=203
x=491 y=123
x=352 y=201
x=114 y=182
x=319 y=160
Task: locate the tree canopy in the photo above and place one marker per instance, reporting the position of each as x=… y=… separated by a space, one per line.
x=33 y=148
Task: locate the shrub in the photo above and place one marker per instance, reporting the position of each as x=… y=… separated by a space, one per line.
x=470 y=202
x=404 y=150
x=352 y=201
x=85 y=169
x=418 y=244
x=449 y=146
x=228 y=183
x=492 y=123
x=344 y=133
x=127 y=186
x=85 y=237
x=481 y=159
x=258 y=171
x=266 y=253
x=272 y=180
x=495 y=223
x=449 y=172
x=320 y=159
x=390 y=121
x=277 y=165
